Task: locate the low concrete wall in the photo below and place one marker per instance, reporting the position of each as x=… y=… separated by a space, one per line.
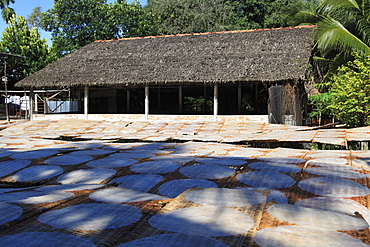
x=156 y=118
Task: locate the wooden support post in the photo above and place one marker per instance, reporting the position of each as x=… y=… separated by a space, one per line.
x=27 y=103
x=46 y=106
x=31 y=104
x=86 y=102
x=70 y=99
x=215 y=102
x=364 y=145
x=146 y=117
x=36 y=105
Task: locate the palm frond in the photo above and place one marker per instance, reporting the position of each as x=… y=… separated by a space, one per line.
x=332 y=35
x=321 y=59
x=363 y=28
x=324 y=64
x=306 y=17
x=341 y=59
x=363 y=22
x=332 y=65
x=331 y=7
x=365 y=8
x=305 y=13
x=5 y=3
x=7 y=13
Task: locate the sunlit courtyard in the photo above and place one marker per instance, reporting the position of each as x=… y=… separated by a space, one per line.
x=101 y=183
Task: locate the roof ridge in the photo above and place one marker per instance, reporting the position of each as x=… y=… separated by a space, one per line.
x=206 y=33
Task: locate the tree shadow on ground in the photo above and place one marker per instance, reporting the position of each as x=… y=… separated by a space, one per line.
x=213 y=194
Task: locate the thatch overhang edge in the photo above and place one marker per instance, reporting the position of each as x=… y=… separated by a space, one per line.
x=207 y=33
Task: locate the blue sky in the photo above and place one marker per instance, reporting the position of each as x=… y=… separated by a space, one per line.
x=25 y=7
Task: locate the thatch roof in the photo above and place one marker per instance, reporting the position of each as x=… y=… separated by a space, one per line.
x=233 y=56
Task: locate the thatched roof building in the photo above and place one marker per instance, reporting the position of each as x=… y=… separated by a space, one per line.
x=221 y=57
x=248 y=72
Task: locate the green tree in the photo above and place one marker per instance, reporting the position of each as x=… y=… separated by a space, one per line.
x=278 y=13
x=76 y=23
x=18 y=39
x=188 y=16
x=34 y=19
x=265 y=13
x=319 y=104
x=132 y=20
x=343 y=27
x=350 y=93
x=6 y=11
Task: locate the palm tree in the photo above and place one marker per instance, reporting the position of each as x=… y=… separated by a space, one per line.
x=6 y=11
x=343 y=27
